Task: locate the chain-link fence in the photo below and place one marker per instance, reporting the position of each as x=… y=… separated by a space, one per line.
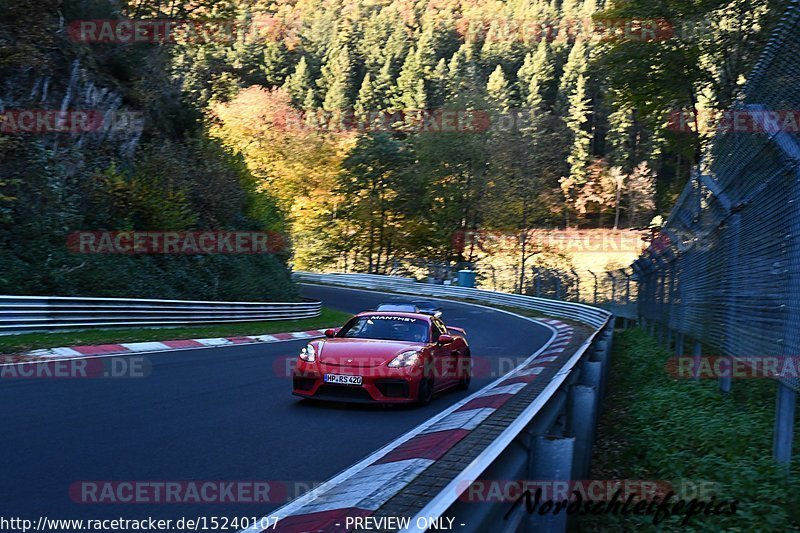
x=615 y=290
x=725 y=272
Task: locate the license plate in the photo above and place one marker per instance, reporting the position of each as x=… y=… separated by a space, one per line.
x=341 y=379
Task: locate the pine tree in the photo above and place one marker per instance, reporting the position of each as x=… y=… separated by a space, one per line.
x=439 y=84
x=383 y=85
x=462 y=72
x=375 y=33
x=498 y=91
x=579 y=156
x=410 y=84
x=500 y=44
x=535 y=101
x=313 y=118
x=310 y=101
x=336 y=81
x=456 y=72
x=538 y=65
x=575 y=67
x=275 y=64
x=640 y=194
x=298 y=84
x=619 y=137
x=426 y=50
x=524 y=75
x=367 y=102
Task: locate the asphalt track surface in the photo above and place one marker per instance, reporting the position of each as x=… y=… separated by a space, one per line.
x=213 y=414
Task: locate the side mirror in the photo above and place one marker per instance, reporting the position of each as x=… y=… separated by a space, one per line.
x=445 y=339
x=330 y=333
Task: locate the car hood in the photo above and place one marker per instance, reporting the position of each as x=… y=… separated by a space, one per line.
x=361 y=352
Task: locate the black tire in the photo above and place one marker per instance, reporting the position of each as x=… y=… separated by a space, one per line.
x=425 y=393
x=463 y=383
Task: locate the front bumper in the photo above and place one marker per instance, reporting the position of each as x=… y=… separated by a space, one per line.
x=380 y=384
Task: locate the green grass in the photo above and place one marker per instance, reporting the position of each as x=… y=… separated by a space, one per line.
x=655 y=427
x=11 y=344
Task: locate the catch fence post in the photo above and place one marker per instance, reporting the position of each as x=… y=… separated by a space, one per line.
x=786 y=401
x=784 y=424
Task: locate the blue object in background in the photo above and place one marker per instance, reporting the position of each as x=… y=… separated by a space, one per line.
x=466 y=278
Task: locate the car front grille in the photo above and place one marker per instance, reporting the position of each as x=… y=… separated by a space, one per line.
x=344 y=393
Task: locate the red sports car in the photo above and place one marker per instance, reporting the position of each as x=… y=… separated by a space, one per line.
x=384 y=357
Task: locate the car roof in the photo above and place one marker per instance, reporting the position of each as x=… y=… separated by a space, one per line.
x=422 y=316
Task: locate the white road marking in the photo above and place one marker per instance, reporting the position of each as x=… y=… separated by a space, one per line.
x=145 y=346
x=468 y=420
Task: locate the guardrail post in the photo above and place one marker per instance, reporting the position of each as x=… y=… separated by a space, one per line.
x=592 y=371
x=593 y=375
x=582 y=413
x=608 y=335
x=551 y=460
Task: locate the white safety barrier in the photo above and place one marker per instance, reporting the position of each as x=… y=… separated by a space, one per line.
x=20 y=314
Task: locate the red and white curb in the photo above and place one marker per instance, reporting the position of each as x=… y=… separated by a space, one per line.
x=366 y=486
x=104 y=350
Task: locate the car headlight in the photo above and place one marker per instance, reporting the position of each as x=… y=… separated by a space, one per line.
x=409 y=358
x=308 y=354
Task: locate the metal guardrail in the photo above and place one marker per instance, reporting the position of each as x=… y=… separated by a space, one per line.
x=20 y=314
x=552 y=437
x=585 y=314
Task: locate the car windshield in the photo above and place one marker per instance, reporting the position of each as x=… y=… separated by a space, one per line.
x=404 y=308
x=387 y=327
